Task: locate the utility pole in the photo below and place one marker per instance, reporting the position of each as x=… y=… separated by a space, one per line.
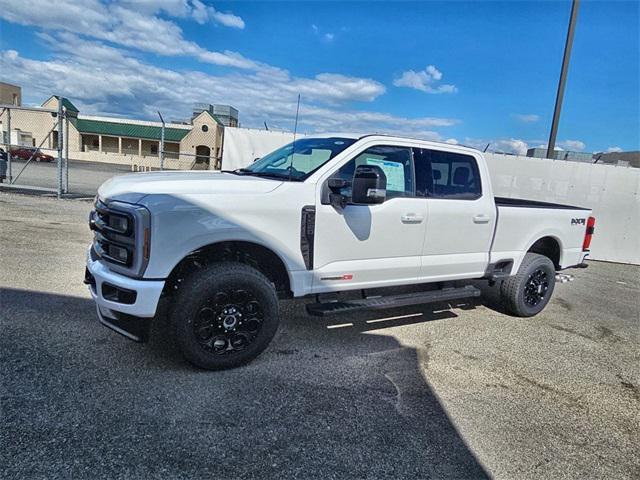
x=563 y=78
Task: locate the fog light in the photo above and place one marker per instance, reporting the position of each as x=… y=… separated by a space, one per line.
x=118 y=294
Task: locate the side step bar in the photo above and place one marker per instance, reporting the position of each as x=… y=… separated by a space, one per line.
x=391 y=301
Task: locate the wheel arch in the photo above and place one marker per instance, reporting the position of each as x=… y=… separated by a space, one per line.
x=550 y=246
x=258 y=256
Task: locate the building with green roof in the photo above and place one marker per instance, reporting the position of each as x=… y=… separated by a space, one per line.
x=197 y=144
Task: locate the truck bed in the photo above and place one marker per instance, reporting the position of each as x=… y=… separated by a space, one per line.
x=518 y=202
x=520 y=223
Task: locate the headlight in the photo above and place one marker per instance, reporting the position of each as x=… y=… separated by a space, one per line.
x=119 y=223
x=120 y=254
x=122 y=234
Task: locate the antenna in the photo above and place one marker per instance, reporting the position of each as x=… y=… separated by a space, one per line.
x=295 y=131
x=486 y=148
x=266 y=127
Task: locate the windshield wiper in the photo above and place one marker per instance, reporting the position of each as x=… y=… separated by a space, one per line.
x=274 y=176
x=237 y=171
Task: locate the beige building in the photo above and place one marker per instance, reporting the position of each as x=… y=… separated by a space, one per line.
x=10 y=94
x=114 y=140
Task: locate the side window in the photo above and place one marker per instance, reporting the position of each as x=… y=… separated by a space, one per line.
x=395 y=162
x=447 y=175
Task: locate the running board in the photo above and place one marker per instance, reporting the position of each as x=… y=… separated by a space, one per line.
x=391 y=301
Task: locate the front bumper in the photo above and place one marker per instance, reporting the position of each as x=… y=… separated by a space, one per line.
x=122 y=317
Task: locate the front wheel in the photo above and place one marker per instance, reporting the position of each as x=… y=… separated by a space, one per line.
x=225 y=315
x=528 y=292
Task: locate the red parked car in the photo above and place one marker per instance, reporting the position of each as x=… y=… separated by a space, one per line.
x=26 y=153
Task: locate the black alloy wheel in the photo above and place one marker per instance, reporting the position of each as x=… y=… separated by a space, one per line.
x=228 y=322
x=536 y=287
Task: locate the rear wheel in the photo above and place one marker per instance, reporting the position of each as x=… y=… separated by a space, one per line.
x=528 y=292
x=225 y=316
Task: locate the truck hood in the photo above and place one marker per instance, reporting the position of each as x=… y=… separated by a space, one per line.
x=133 y=187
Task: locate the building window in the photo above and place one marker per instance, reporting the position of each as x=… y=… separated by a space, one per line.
x=205 y=128
x=154 y=149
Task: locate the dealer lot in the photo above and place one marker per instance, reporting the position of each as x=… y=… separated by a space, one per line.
x=421 y=392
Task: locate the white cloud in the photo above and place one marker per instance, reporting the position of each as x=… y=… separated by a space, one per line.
x=102 y=79
x=95 y=61
x=526 y=117
x=519 y=146
x=511 y=145
x=516 y=146
x=133 y=24
x=424 y=80
x=195 y=9
x=614 y=149
x=574 y=145
x=335 y=88
x=327 y=37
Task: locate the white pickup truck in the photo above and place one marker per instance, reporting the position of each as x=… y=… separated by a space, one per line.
x=318 y=218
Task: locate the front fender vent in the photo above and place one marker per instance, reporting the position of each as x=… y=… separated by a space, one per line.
x=307 y=233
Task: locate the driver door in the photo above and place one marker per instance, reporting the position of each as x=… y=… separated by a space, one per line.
x=366 y=246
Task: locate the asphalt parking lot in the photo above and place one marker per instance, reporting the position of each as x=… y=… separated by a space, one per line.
x=420 y=392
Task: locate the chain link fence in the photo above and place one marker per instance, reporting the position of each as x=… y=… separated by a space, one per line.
x=54 y=148
x=31 y=138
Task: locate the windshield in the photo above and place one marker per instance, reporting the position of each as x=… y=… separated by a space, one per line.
x=309 y=155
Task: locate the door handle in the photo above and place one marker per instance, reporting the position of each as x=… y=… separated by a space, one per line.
x=411 y=218
x=481 y=218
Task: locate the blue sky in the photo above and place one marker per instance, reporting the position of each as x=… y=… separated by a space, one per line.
x=473 y=73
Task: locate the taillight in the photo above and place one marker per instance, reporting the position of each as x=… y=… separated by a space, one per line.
x=591 y=225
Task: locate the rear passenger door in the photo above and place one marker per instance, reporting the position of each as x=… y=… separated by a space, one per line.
x=460 y=219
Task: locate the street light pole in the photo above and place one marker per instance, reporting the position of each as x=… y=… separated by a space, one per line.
x=563 y=78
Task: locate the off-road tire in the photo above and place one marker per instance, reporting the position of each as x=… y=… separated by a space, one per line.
x=513 y=291
x=206 y=284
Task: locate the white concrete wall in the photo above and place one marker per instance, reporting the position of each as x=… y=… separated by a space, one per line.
x=612 y=192
x=241 y=146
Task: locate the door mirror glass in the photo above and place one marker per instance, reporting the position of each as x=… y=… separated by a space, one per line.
x=369 y=185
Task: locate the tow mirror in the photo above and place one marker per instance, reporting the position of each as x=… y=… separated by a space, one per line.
x=369 y=185
x=335 y=196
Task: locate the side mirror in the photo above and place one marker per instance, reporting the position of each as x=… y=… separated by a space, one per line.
x=335 y=197
x=369 y=185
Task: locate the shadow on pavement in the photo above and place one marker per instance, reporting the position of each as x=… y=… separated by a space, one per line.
x=80 y=401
